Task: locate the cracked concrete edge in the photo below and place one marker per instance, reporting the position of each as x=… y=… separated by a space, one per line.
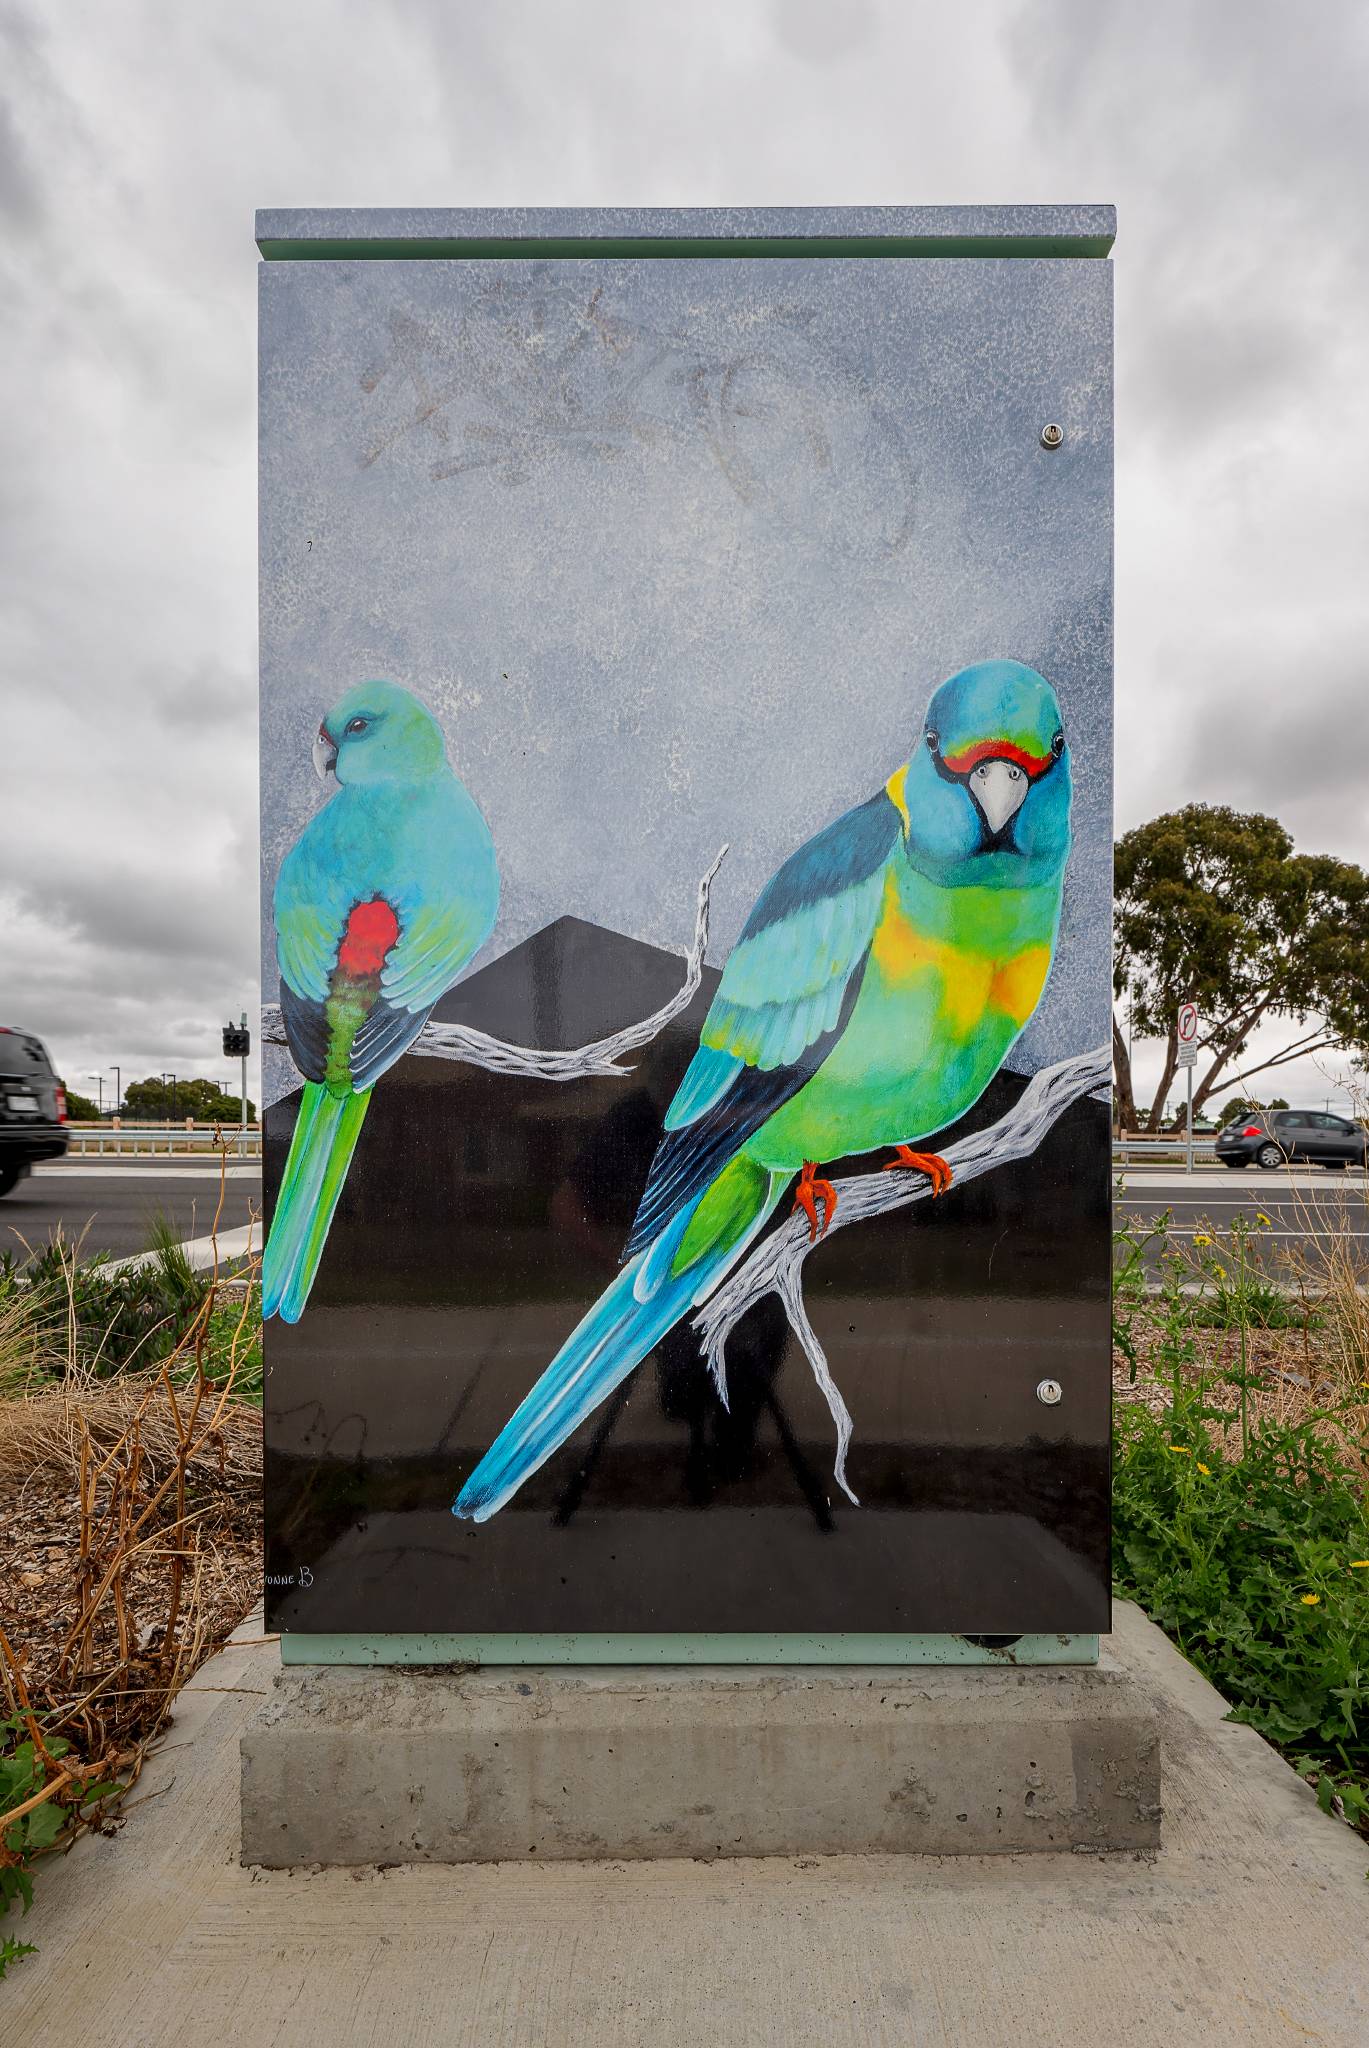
x=1191 y=1708
x=359 y=1765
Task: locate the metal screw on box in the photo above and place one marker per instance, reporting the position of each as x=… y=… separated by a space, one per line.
x=1048 y=1392
x=1052 y=435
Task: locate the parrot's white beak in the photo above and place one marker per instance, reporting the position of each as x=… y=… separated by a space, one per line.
x=998 y=787
x=324 y=755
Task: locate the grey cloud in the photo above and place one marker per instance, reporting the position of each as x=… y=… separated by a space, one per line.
x=210 y=695
x=1205 y=373
x=19 y=199
x=1294 y=716
x=821 y=33
x=1233 y=139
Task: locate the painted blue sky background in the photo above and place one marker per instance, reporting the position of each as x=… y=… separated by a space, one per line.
x=678 y=551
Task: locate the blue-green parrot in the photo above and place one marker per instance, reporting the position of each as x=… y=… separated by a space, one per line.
x=385 y=896
x=883 y=974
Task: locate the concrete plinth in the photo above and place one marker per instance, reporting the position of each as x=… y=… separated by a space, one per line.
x=365 y=1766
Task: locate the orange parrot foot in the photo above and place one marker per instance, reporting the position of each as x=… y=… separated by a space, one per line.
x=930 y=1163
x=811 y=1190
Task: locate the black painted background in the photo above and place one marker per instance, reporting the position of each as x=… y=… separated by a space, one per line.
x=481 y=1217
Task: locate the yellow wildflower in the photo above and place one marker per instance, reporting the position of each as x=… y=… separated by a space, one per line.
x=1220 y=1271
x=1359 y=1564
x=1311 y=1599
x=1179 y=1450
x=1202 y=1238
x=1260 y=1217
x=1206 y=1470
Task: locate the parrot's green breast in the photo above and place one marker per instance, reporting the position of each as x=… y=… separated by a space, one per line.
x=952 y=977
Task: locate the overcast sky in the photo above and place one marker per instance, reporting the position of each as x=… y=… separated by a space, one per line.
x=136 y=140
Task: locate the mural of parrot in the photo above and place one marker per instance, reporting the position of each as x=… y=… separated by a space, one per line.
x=882 y=975
x=379 y=904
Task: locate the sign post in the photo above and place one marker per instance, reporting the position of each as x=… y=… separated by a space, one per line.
x=1188 y=1058
x=237 y=1044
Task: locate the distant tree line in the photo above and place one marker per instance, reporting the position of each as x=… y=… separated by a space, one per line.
x=1214 y=907
x=155 y=1101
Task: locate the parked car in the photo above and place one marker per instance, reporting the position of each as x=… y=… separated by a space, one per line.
x=33 y=1107
x=1297 y=1137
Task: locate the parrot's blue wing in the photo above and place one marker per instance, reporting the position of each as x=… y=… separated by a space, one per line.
x=311 y=914
x=782 y=1004
x=306 y=1028
x=310 y=908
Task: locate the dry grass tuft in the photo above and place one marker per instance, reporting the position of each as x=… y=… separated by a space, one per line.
x=129 y=1535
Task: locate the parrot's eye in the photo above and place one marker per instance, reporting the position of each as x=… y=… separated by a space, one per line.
x=1058 y=745
x=356 y=725
x=933 y=739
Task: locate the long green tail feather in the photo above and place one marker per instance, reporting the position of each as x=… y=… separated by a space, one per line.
x=326 y=1131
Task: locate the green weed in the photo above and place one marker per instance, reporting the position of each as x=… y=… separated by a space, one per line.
x=63 y=1316
x=1241 y=1532
x=50 y=1799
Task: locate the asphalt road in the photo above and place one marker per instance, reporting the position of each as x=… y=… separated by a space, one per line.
x=114 y=1204
x=1303 y=1206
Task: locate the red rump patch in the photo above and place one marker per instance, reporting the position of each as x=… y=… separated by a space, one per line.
x=996 y=750
x=372 y=929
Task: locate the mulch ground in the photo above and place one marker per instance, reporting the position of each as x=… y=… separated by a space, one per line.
x=43 y=1576
x=1293 y=1375
x=122 y=1666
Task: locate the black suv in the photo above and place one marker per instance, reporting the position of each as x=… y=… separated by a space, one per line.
x=33 y=1107
x=1297 y=1136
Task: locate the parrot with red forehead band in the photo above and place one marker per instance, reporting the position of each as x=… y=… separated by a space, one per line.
x=878 y=983
x=384 y=897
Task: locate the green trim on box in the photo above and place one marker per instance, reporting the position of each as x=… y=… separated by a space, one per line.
x=351 y=249
x=300 y=1648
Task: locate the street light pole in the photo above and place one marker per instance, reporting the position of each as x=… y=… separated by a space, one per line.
x=118 y=1087
x=99 y=1081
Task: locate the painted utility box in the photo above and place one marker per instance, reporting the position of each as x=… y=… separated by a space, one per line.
x=686 y=894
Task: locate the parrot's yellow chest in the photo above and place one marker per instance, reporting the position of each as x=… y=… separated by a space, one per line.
x=968 y=981
x=952 y=977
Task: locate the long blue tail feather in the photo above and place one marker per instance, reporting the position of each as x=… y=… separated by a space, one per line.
x=612 y=1340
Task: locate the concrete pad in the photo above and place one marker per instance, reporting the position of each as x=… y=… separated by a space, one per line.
x=381 y=1765
x=1247 y=1930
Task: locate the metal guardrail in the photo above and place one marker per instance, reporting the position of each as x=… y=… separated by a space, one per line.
x=133 y=1141
x=1173 y=1147
x=1152 y=1151
x=148 y=1140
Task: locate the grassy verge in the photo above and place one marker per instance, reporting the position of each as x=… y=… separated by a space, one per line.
x=130 y=1485
x=129 y=1442
x=1241 y=1473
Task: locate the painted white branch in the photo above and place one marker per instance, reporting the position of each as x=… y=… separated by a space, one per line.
x=604 y=1056
x=776 y=1265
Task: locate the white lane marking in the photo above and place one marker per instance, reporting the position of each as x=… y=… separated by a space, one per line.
x=196 y=1172
x=1263 y=1209
x=231 y=1244
x=1275 y=1177
x=1234 y=1190
x=1133 y=1198
x=1261 y=1233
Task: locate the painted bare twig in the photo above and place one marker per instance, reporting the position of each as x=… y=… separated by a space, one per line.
x=776 y=1265
x=604 y=1056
